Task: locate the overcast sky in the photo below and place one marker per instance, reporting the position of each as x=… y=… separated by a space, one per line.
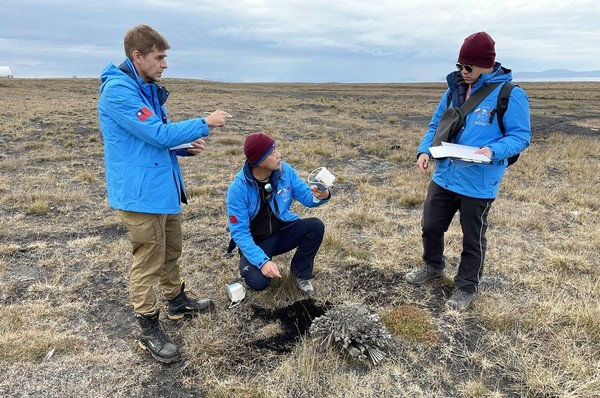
x=299 y=40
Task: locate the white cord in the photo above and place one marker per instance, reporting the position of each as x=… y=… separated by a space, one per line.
x=232 y=304
x=312 y=180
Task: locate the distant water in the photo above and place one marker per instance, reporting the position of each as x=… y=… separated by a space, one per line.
x=556 y=79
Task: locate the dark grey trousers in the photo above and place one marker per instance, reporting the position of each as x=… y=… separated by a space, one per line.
x=440 y=207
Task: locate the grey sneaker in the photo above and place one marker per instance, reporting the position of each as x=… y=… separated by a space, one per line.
x=460 y=299
x=305 y=287
x=423 y=274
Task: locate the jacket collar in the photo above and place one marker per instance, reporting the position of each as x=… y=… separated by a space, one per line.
x=275 y=175
x=161 y=91
x=128 y=68
x=458 y=87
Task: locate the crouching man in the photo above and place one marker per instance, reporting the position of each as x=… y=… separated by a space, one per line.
x=260 y=221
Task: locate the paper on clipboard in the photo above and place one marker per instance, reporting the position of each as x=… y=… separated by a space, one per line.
x=182 y=146
x=456 y=151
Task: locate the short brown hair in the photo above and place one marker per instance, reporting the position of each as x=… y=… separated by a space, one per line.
x=144 y=39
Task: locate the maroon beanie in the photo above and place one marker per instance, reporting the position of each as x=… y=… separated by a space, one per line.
x=478 y=49
x=257 y=146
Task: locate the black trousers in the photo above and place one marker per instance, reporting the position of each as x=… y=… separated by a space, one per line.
x=440 y=207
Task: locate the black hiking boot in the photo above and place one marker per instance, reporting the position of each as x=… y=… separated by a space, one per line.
x=154 y=340
x=182 y=305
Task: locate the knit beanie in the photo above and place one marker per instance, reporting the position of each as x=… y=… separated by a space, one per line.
x=257 y=146
x=478 y=49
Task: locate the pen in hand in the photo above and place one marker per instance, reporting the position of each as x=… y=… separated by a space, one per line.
x=225 y=113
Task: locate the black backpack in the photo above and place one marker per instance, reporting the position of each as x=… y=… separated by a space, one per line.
x=501 y=108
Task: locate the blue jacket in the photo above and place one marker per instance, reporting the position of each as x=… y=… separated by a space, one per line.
x=142 y=174
x=243 y=204
x=482 y=180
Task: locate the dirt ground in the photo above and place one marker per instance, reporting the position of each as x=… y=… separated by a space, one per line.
x=41 y=261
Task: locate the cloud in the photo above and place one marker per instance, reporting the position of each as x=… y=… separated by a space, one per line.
x=297 y=40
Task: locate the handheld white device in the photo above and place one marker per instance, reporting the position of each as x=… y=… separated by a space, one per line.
x=321 y=177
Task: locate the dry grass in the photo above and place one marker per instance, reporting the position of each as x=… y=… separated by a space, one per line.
x=65 y=319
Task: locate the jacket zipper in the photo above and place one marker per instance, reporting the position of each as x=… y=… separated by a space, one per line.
x=270 y=219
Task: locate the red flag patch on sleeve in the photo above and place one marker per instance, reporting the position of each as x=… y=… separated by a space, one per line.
x=232 y=219
x=143 y=114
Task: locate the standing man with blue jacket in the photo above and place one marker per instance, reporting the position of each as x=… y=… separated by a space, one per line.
x=261 y=223
x=145 y=183
x=469 y=188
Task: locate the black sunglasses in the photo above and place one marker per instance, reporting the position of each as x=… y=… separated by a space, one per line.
x=468 y=68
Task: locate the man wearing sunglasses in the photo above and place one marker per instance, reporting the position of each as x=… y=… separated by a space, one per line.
x=469 y=188
x=260 y=221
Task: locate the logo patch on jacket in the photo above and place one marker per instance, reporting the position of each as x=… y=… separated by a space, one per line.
x=483 y=116
x=232 y=220
x=144 y=114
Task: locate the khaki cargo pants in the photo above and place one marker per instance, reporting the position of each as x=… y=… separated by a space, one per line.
x=156 y=246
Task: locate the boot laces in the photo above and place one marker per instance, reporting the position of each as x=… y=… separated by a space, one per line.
x=187 y=300
x=423 y=271
x=159 y=333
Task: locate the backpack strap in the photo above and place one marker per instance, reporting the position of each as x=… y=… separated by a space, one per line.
x=501 y=108
x=469 y=105
x=502 y=104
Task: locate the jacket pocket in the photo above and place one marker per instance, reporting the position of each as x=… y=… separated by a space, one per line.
x=139 y=181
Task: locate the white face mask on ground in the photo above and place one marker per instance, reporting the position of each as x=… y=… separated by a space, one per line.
x=236 y=293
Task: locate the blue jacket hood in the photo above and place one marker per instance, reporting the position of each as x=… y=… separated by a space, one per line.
x=458 y=88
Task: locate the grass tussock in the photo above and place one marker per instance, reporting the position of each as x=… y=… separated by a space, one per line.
x=65 y=316
x=411 y=323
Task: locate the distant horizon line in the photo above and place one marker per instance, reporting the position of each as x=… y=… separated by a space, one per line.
x=528 y=79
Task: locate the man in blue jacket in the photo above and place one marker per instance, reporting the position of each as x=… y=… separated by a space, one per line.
x=469 y=188
x=144 y=181
x=261 y=223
